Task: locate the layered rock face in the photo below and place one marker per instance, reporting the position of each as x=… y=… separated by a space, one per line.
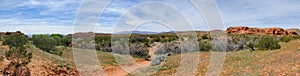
x=260 y=31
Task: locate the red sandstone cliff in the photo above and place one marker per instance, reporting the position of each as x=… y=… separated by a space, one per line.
x=260 y=31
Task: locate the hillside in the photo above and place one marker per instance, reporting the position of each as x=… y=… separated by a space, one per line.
x=284 y=61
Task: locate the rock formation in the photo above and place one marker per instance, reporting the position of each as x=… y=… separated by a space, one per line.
x=260 y=31
x=10 y=33
x=2 y=34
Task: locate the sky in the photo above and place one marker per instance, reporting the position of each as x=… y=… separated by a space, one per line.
x=58 y=16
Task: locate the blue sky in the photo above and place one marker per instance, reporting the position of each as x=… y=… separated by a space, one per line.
x=57 y=16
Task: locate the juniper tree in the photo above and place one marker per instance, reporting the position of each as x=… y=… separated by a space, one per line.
x=17 y=54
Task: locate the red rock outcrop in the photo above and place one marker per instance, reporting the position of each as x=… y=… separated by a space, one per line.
x=10 y=33
x=259 y=31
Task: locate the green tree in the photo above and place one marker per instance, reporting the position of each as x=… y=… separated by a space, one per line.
x=46 y=43
x=18 y=55
x=58 y=38
x=56 y=35
x=15 y=40
x=66 y=41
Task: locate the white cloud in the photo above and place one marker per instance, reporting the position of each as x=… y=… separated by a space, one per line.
x=60 y=14
x=154 y=11
x=260 y=12
x=32 y=26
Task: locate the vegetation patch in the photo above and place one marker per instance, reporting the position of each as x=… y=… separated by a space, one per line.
x=18 y=56
x=47 y=43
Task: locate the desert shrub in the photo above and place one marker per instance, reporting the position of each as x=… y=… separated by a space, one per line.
x=100 y=39
x=62 y=65
x=268 y=43
x=172 y=38
x=285 y=39
x=46 y=43
x=138 y=39
x=104 y=43
x=164 y=40
x=1 y=58
x=163 y=37
x=296 y=37
x=104 y=46
x=252 y=41
x=119 y=48
x=168 y=48
x=83 y=43
x=251 y=46
x=66 y=41
x=18 y=55
x=224 y=43
x=15 y=40
x=205 y=36
x=157 y=39
x=169 y=38
x=238 y=42
x=139 y=50
x=241 y=43
x=158 y=59
x=204 y=46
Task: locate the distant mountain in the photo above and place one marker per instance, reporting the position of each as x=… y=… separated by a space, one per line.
x=169 y=32
x=137 y=32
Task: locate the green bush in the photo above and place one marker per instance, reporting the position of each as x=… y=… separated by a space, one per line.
x=296 y=37
x=104 y=46
x=100 y=39
x=169 y=48
x=56 y=35
x=62 y=65
x=156 y=39
x=15 y=40
x=66 y=41
x=138 y=40
x=46 y=43
x=205 y=36
x=252 y=41
x=58 y=39
x=251 y=46
x=204 y=46
x=158 y=59
x=268 y=43
x=1 y=58
x=285 y=39
x=139 y=50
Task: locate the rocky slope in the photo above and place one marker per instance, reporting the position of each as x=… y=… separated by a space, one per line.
x=260 y=31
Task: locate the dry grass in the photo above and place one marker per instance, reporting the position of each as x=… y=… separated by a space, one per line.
x=284 y=61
